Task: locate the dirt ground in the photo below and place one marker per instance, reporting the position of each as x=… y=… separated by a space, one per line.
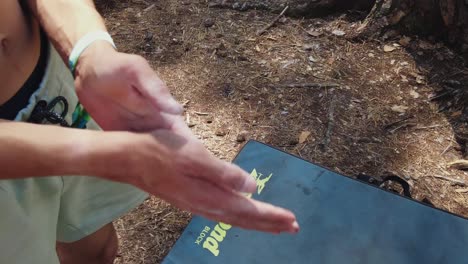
x=361 y=107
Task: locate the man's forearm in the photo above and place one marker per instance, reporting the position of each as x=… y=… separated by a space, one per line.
x=66 y=21
x=29 y=150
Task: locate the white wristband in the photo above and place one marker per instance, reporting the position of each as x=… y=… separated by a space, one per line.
x=83 y=43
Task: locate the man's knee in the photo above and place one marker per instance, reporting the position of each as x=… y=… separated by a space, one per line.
x=109 y=251
x=98 y=248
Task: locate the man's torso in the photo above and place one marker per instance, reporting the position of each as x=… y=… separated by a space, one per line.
x=19 y=48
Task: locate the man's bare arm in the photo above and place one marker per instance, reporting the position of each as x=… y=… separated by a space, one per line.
x=161 y=163
x=29 y=150
x=66 y=21
x=122 y=92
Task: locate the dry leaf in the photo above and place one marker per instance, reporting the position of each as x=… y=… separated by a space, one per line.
x=399 y=108
x=314 y=33
x=312 y=59
x=303 y=136
x=404 y=78
x=464 y=190
x=459 y=200
x=414 y=94
x=405 y=41
x=338 y=32
x=426 y=45
x=456 y=114
x=420 y=80
x=388 y=48
x=459 y=164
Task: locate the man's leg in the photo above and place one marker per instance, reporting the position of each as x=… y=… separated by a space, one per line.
x=98 y=248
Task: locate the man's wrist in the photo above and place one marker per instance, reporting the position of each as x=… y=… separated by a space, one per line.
x=79 y=153
x=84 y=42
x=96 y=52
x=106 y=155
x=89 y=42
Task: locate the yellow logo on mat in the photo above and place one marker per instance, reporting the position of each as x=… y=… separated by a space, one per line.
x=219 y=232
x=260 y=182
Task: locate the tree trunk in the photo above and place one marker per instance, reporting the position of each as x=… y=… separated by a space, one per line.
x=443 y=18
x=297 y=8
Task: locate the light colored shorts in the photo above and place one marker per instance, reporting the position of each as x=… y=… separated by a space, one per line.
x=37 y=212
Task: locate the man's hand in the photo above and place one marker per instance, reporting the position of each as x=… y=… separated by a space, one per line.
x=173 y=165
x=121 y=91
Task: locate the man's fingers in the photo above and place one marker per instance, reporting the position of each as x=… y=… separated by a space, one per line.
x=158 y=94
x=273 y=226
x=230 y=207
x=168 y=104
x=214 y=170
x=245 y=211
x=236 y=178
x=227 y=175
x=156 y=91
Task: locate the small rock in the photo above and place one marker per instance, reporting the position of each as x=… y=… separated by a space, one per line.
x=440 y=57
x=221 y=50
x=293 y=141
x=242 y=58
x=420 y=80
x=208 y=23
x=148 y=36
x=426 y=45
x=390 y=34
x=228 y=90
x=308 y=47
x=242 y=137
x=221 y=132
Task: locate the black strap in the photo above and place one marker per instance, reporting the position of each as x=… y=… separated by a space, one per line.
x=391 y=178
